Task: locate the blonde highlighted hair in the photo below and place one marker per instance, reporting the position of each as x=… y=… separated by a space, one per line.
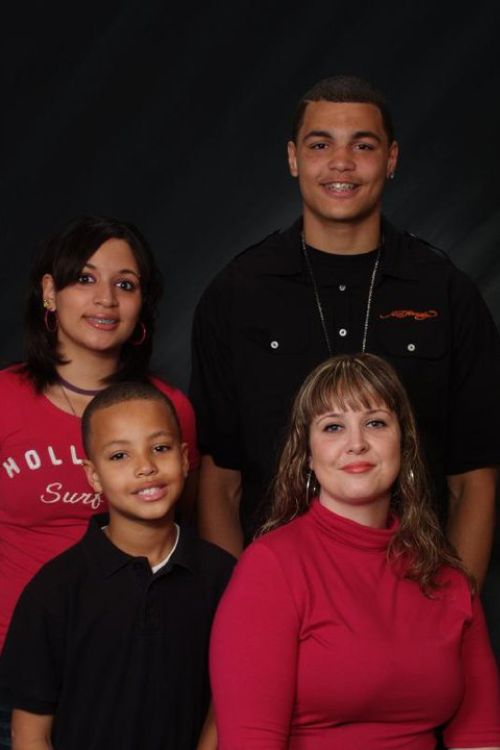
x=419 y=547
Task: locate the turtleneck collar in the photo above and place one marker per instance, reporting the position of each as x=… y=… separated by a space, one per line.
x=351 y=533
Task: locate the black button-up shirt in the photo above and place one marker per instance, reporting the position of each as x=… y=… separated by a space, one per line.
x=257 y=333
x=116 y=653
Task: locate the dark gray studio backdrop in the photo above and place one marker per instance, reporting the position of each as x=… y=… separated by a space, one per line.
x=175 y=116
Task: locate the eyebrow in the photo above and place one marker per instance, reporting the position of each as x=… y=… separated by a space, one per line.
x=153 y=436
x=368 y=412
x=122 y=270
x=357 y=134
x=367 y=134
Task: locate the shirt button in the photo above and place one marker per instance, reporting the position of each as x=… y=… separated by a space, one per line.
x=342 y=287
x=274 y=344
x=342 y=332
x=411 y=347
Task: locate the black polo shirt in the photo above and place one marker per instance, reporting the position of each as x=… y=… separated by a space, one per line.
x=118 y=654
x=257 y=334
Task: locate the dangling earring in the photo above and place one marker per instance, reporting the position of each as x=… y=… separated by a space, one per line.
x=311 y=486
x=50 y=326
x=142 y=337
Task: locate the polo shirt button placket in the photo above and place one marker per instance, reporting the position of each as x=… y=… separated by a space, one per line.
x=140 y=570
x=344 y=302
x=151 y=615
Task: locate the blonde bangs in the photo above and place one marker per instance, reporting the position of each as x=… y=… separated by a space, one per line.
x=351 y=384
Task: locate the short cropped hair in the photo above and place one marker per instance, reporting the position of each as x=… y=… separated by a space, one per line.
x=122 y=392
x=344 y=89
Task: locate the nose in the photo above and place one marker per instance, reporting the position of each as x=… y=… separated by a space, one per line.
x=341 y=158
x=105 y=294
x=145 y=466
x=357 y=442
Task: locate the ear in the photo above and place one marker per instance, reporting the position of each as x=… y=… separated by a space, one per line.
x=185 y=459
x=49 y=290
x=91 y=474
x=392 y=160
x=292 y=159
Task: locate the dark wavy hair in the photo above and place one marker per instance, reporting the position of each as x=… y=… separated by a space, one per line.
x=419 y=548
x=344 y=89
x=63 y=256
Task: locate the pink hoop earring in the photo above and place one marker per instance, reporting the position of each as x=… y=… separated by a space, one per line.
x=50 y=328
x=143 y=335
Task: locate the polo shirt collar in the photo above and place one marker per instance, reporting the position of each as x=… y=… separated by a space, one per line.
x=395 y=259
x=185 y=552
x=284 y=256
x=107 y=559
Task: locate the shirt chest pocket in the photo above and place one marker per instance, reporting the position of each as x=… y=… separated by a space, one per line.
x=280 y=336
x=413 y=339
x=272 y=357
x=419 y=351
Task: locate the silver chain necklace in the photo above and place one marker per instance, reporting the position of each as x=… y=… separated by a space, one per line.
x=66 y=398
x=319 y=306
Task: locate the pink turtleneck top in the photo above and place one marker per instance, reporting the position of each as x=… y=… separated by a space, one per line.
x=319 y=645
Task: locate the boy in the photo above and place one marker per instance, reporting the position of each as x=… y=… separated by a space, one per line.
x=108 y=645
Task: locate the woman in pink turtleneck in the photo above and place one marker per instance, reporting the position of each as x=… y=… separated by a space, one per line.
x=352 y=625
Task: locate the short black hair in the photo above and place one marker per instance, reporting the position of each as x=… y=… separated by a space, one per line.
x=63 y=256
x=119 y=393
x=344 y=89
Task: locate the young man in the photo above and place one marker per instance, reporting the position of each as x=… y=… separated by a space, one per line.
x=108 y=644
x=342 y=279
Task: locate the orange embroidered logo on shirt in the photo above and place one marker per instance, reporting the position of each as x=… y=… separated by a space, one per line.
x=424 y=315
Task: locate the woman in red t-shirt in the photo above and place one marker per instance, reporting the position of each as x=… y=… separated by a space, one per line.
x=352 y=623
x=90 y=319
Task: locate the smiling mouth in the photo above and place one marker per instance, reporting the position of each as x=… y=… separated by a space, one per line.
x=102 y=322
x=340 y=187
x=151 y=493
x=357 y=468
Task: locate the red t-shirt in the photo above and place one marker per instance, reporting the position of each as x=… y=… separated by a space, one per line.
x=318 y=645
x=45 y=500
